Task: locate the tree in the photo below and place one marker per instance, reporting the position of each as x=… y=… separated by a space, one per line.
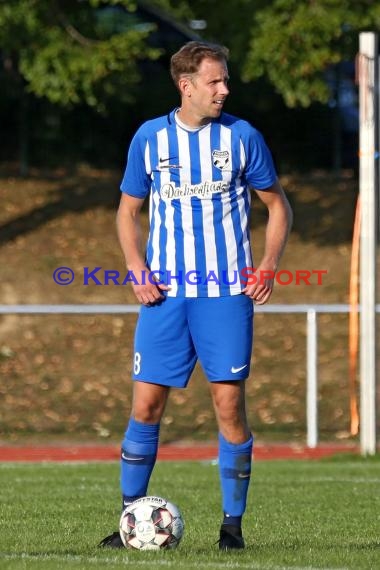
x=291 y=43
x=72 y=52
x=295 y=42
x=76 y=52
x=302 y=50
x=64 y=51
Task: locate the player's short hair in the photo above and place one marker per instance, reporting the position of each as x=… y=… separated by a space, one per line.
x=187 y=60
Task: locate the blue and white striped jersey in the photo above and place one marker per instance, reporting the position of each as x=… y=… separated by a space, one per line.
x=199 y=184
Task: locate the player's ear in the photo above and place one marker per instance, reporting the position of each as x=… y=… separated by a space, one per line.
x=184 y=86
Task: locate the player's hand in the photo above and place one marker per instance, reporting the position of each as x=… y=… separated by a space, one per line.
x=148 y=289
x=259 y=285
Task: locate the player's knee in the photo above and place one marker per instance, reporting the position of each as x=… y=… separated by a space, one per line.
x=233 y=424
x=147 y=412
x=232 y=420
x=234 y=430
x=230 y=408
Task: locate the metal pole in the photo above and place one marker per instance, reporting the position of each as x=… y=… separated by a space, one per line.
x=311 y=379
x=368 y=80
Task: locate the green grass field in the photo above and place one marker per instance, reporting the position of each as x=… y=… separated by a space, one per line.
x=316 y=514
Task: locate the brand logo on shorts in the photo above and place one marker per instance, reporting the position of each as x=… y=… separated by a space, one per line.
x=236 y=370
x=220 y=159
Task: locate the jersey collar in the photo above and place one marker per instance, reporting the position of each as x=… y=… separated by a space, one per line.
x=172 y=121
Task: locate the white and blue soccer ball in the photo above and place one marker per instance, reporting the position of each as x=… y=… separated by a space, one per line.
x=151 y=523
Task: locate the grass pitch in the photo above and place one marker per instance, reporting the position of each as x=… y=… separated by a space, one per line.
x=301 y=515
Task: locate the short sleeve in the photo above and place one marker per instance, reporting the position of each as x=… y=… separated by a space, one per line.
x=136 y=180
x=259 y=171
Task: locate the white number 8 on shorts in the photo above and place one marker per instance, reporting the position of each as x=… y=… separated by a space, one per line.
x=137 y=363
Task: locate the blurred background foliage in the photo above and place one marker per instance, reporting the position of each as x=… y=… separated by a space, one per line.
x=78 y=76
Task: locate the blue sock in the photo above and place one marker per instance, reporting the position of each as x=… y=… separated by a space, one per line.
x=235 y=470
x=138 y=456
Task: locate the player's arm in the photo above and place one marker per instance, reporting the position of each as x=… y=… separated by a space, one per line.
x=280 y=219
x=129 y=232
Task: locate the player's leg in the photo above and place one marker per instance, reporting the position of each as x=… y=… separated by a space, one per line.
x=222 y=330
x=140 y=444
x=164 y=357
x=235 y=457
x=139 y=447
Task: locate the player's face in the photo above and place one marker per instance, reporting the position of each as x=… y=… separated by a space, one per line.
x=206 y=92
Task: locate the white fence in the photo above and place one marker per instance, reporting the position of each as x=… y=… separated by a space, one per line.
x=311 y=312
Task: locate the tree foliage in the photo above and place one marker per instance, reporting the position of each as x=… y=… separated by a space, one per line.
x=63 y=51
x=294 y=42
x=66 y=53
x=291 y=43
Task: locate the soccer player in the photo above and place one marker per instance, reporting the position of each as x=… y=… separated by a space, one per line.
x=198 y=165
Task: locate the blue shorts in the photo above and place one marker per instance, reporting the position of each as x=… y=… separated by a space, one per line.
x=172 y=335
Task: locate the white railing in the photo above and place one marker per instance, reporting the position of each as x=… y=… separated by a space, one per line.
x=311 y=312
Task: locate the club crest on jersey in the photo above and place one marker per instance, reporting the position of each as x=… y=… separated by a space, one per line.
x=220 y=159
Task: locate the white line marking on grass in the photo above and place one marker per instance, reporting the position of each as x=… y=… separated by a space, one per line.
x=340 y=480
x=53 y=464
x=309 y=480
x=149 y=563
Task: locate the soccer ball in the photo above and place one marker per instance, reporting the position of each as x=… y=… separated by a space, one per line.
x=151 y=523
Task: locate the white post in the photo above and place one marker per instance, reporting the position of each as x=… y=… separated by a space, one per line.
x=311 y=379
x=368 y=86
